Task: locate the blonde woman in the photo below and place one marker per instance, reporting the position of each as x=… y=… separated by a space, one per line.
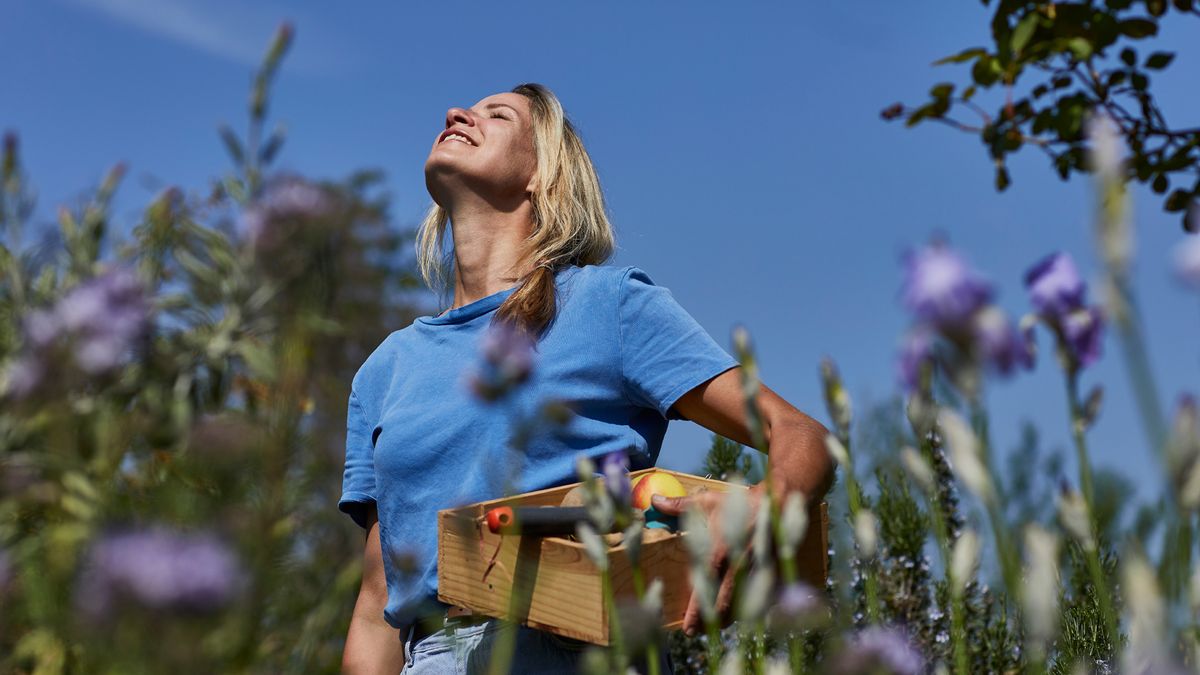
x=512 y=180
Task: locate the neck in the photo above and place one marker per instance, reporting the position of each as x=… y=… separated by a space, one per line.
x=489 y=249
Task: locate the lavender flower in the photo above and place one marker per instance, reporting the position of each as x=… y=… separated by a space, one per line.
x=615 y=466
x=939 y=287
x=876 y=649
x=96 y=324
x=998 y=342
x=1083 y=335
x=507 y=353
x=285 y=201
x=916 y=354
x=800 y=607
x=1055 y=286
x=1187 y=258
x=160 y=569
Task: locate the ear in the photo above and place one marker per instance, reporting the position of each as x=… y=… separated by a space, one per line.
x=533 y=183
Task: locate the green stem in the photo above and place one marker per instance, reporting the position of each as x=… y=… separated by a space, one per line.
x=1137 y=362
x=1077 y=434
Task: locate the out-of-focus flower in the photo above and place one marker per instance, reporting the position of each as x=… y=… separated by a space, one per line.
x=918 y=469
x=92 y=327
x=998 y=342
x=1183 y=453
x=1146 y=613
x=615 y=466
x=285 y=201
x=1055 y=286
x=879 y=650
x=940 y=288
x=5 y=569
x=837 y=451
x=799 y=607
x=593 y=545
x=735 y=518
x=1040 y=597
x=915 y=357
x=837 y=401
x=964 y=560
x=1187 y=258
x=160 y=569
x=965 y=455
x=754 y=597
x=866 y=533
x=698 y=537
x=1075 y=518
x=1083 y=334
x=1105 y=160
x=507 y=360
x=793 y=523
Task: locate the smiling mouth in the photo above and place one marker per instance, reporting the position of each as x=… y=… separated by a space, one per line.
x=457 y=137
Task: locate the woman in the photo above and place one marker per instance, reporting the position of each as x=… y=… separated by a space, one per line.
x=529 y=232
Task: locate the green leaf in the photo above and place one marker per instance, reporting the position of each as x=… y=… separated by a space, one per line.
x=1080 y=47
x=1161 y=183
x=1177 y=201
x=1024 y=31
x=1002 y=178
x=1129 y=56
x=962 y=57
x=1159 y=60
x=232 y=145
x=941 y=90
x=1138 y=28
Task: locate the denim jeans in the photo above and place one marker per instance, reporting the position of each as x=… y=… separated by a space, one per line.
x=464 y=649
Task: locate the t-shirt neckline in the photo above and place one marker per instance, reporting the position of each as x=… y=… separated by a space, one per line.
x=478 y=308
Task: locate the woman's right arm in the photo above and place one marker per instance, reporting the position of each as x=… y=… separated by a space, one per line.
x=372 y=646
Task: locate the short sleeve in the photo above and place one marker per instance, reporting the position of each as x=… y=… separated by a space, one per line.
x=665 y=353
x=358 y=481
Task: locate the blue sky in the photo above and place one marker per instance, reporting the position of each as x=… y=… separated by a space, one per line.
x=739 y=145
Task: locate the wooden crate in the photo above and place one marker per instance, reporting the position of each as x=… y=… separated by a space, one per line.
x=566 y=595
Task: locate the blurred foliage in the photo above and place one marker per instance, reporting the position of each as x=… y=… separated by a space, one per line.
x=226 y=415
x=1054 y=63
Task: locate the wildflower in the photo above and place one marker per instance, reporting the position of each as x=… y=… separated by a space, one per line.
x=793 y=523
x=1040 y=598
x=940 y=288
x=93 y=327
x=876 y=649
x=698 y=539
x=593 y=545
x=998 y=343
x=1075 y=518
x=507 y=360
x=1183 y=453
x=800 y=607
x=735 y=515
x=1106 y=162
x=615 y=467
x=866 y=533
x=916 y=357
x=837 y=401
x=753 y=599
x=837 y=450
x=287 y=204
x=1146 y=613
x=918 y=468
x=1055 y=286
x=965 y=454
x=964 y=561
x=159 y=569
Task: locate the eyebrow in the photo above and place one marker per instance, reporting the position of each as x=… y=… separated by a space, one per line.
x=501 y=105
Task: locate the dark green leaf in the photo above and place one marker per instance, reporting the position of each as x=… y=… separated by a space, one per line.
x=1040 y=90
x=1080 y=47
x=1129 y=56
x=1178 y=201
x=1002 y=179
x=1139 y=81
x=1161 y=183
x=941 y=90
x=1138 y=28
x=968 y=93
x=1159 y=60
x=232 y=145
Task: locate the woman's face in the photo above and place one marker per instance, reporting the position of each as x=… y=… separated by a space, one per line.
x=486 y=149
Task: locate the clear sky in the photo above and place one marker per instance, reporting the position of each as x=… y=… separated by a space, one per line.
x=739 y=145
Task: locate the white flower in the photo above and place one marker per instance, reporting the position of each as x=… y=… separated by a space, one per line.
x=1076 y=519
x=964 y=560
x=1040 y=597
x=865 y=533
x=965 y=456
x=735 y=514
x=756 y=595
x=837 y=450
x=793 y=523
x=917 y=468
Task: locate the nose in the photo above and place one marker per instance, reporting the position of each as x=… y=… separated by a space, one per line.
x=459 y=116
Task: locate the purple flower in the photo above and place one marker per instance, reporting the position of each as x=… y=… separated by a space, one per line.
x=800 y=607
x=160 y=569
x=880 y=650
x=916 y=354
x=270 y=220
x=998 y=342
x=93 y=326
x=1055 y=286
x=940 y=288
x=507 y=353
x=1187 y=259
x=615 y=466
x=1083 y=334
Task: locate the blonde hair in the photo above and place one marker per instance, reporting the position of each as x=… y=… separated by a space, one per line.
x=570 y=224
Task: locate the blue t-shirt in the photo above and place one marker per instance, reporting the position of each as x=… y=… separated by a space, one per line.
x=620 y=352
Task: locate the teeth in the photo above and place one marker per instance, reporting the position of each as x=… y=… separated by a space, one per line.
x=458 y=137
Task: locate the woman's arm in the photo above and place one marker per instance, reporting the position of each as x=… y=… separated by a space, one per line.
x=372 y=646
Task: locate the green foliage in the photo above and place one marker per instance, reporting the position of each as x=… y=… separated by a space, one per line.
x=1054 y=63
x=726 y=458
